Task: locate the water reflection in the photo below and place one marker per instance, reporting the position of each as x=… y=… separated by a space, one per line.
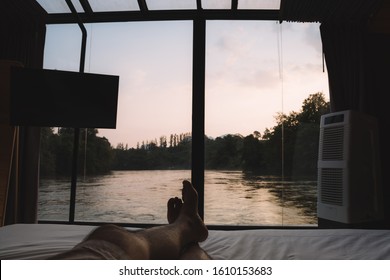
x=231 y=198
x=301 y=194
x=235 y=198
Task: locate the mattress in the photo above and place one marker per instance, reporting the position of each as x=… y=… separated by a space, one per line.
x=40 y=241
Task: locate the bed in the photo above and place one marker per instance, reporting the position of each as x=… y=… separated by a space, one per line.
x=40 y=241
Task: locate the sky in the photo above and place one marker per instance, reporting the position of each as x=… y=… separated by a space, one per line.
x=254 y=69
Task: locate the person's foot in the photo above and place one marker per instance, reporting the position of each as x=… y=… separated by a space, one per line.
x=188 y=214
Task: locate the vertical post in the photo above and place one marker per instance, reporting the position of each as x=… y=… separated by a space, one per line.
x=198 y=108
x=85 y=151
x=72 y=204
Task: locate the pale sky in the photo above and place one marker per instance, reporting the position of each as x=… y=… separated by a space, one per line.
x=254 y=69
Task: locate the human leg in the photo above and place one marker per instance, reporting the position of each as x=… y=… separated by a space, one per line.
x=185 y=227
x=161 y=242
x=192 y=251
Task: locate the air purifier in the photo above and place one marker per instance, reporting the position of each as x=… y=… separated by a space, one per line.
x=349 y=179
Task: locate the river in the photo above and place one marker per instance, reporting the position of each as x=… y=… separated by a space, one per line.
x=231 y=198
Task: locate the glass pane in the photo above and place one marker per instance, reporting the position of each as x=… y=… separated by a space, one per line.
x=62 y=47
x=56 y=152
x=62 y=52
x=259 y=4
x=59 y=6
x=216 y=4
x=256 y=70
x=113 y=5
x=127 y=174
x=171 y=4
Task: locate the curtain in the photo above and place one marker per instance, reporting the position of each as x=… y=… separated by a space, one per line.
x=22 y=38
x=343 y=46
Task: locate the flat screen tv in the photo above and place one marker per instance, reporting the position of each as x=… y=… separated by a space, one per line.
x=54 y=98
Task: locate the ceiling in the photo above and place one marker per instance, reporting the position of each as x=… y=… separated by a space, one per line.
x=58 y=11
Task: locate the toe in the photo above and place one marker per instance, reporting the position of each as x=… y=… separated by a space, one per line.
x=171 y=210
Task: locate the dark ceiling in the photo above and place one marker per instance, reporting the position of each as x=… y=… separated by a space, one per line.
x=147 y=10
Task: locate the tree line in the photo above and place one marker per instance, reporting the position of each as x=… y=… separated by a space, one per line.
x=289 y=148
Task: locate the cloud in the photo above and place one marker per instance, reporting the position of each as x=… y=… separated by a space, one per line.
x=313 y=38
x=260 y=79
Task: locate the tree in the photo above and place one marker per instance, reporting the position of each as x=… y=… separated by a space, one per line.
x=49 y=142
x=294 y=139
x=225 y=152
x=97 y=148
x=57 y=152
x=64 y=151
x=313 y=108
x=252 y=153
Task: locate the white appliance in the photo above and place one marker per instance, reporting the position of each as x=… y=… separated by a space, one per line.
x=349 y=179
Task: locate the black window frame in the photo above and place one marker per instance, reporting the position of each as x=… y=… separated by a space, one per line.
x=199 y=17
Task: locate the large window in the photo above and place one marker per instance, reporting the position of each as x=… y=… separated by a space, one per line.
x=255 y=71
x=261 y=169
x=149 y=152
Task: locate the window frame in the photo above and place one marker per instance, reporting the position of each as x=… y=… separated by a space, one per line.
x=199 y=17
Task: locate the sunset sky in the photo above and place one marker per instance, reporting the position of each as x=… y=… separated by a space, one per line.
x=254 y=69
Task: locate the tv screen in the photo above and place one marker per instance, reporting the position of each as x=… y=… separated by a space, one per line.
x=54 y=98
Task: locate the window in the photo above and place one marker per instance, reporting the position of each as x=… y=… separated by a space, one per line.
x=254 y=70
x=153 y=123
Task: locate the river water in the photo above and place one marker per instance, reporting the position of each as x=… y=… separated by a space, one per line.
x=231 y=198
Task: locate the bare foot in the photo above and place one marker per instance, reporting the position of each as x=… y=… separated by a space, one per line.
x=189 y=213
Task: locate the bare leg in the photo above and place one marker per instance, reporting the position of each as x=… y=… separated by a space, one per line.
x=167 y=242
x=192 y=251
x=161 y=242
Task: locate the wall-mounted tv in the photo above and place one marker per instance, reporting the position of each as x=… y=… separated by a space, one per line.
x=54 y=98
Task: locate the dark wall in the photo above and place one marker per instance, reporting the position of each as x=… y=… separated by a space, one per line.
x=22 y=39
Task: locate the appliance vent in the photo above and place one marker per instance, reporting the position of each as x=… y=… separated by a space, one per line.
x=332 y=186
x=333 y=143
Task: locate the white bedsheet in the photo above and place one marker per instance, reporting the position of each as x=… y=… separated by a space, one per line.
x=40 y=241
